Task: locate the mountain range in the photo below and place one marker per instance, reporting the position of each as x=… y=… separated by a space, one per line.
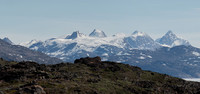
x=11 y=52
x=68 y=46
x=168 y=54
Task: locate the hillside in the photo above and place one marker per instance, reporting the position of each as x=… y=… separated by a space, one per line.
x=88 y=76
x=12 y=52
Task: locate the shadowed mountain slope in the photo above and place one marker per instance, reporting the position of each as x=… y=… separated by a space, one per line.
x=19 y=53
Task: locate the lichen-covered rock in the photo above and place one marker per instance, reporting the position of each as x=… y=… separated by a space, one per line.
x=31 y=88
x=1 y=92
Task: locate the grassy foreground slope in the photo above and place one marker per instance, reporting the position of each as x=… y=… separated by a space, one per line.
x=87 y=76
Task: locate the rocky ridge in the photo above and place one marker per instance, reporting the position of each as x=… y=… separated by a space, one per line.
x=88 y=76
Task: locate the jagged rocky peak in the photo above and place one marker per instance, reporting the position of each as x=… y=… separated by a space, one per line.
x=171 y=40
x=170 y=35
x=97 y=33
x=6 y=39
x=75 y=35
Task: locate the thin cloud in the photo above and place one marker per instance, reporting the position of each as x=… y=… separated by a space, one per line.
x=197 y=9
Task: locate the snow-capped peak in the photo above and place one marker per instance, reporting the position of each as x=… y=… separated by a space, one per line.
x=137 y=33
x=28 y=44
x=140 y=40
x=97 y=33
x=171 y=40
x=170 y=35
x=6 y=39
x=75 y=35
x=33 y=41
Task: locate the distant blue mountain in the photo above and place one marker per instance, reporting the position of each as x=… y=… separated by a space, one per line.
x=6 y=39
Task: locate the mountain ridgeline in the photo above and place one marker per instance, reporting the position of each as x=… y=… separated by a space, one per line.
x=6 y=39
x=170 y=39
x=98 y=33
x=12 y=52
x=82 y=45
x=88 y=76
x=168 y=54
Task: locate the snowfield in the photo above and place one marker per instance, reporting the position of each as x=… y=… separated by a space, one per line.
x=192 y=79
x=70 y=44
x=169 y=54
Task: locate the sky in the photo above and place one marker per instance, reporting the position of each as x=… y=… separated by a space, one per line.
x=24 y=20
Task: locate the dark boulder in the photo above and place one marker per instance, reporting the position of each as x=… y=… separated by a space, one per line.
x=26 y=65
x=88 y=60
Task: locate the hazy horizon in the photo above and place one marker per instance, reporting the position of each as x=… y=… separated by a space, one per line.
x=23 y=20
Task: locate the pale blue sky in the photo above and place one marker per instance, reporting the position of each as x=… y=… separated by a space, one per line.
x=24 y=20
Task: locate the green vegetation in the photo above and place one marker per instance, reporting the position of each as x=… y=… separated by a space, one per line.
x=88 y=78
